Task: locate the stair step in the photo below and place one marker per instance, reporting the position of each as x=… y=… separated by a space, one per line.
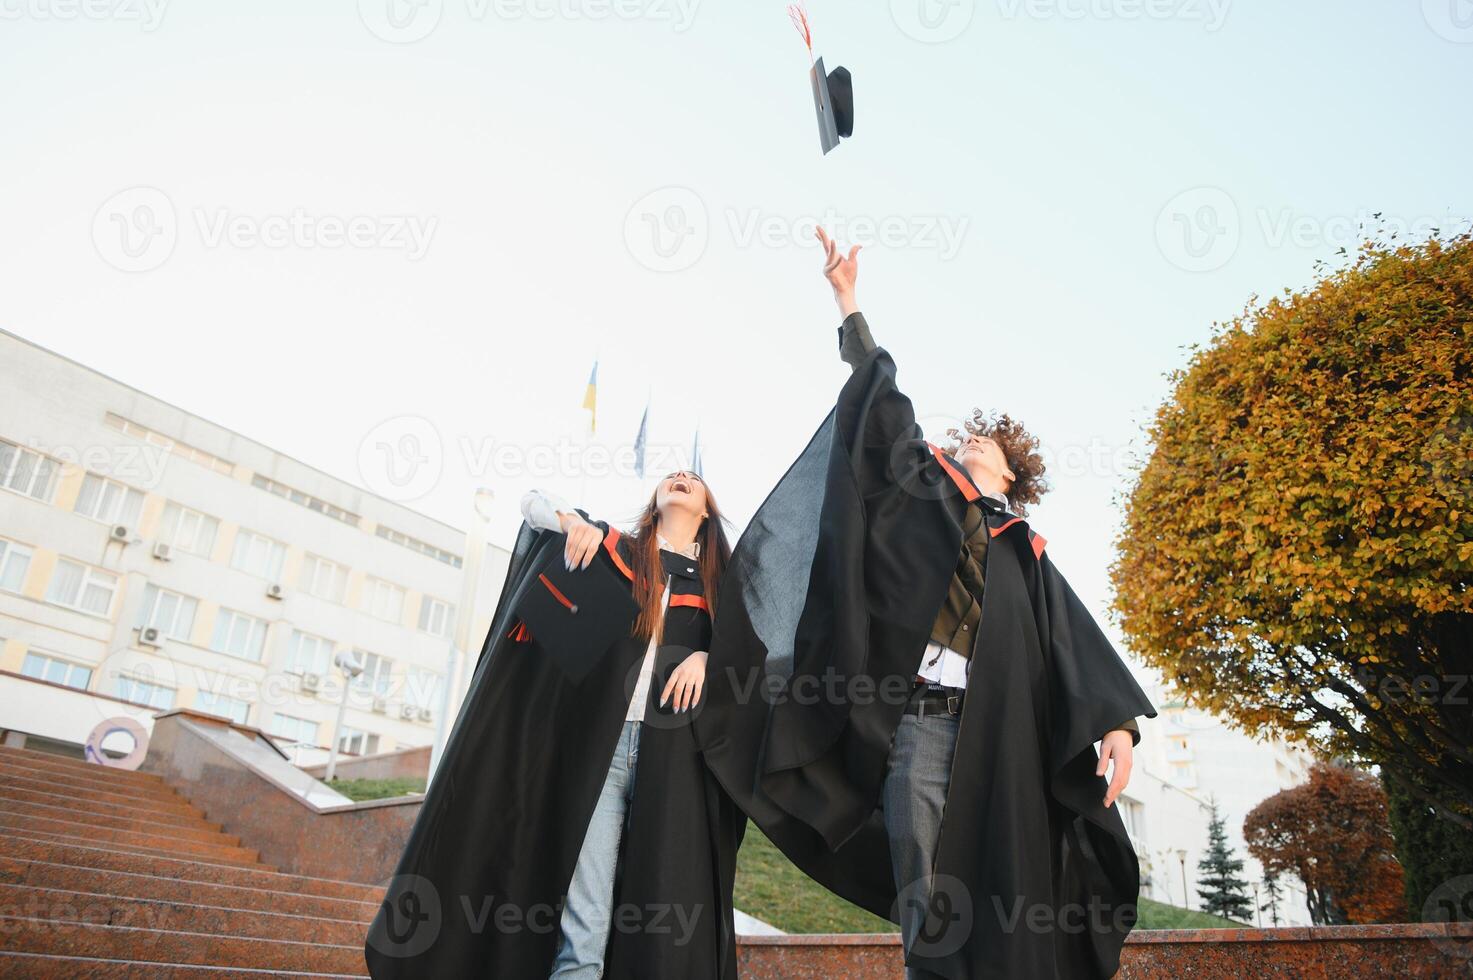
x=97 y=777
x=31 y=935
x=54 y=796
x=38 y=966
x=36 y=757
x=200 y=830
x=61 y=904
x=110 y=859
x=98 y=881
x=39 y=782
x=234 y=856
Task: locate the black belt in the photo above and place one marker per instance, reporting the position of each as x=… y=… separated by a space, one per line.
x=933 y=699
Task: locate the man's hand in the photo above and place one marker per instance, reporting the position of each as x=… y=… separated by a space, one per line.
x=686 y=683
x=841 y=272
x=583 y=541
x=1117 y=746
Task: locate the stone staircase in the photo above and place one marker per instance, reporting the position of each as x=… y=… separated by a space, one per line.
x=107 y=873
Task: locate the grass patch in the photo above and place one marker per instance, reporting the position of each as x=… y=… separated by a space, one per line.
x=378 y=789
x=771 y=888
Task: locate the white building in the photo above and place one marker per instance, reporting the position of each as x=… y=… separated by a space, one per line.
x=151 y=559
x=1185 y=759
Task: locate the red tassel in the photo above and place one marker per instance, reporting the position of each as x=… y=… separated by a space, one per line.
x=799 y=17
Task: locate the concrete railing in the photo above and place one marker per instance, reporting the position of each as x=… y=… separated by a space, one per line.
x=237 y=776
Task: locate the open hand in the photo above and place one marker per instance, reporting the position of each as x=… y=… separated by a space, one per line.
x=841 y=272
x=583 y=541
x=1116 y=746
x=686 y=683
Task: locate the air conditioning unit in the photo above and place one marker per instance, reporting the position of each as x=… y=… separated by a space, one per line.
x=149 y=636
x=380 y=706
x=408 y=712
x=425 y=714
x=163 y=552
x=275 y=591
x=120 y=532
x=311 y=682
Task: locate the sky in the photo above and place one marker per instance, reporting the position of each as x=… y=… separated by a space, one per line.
x=390 y=238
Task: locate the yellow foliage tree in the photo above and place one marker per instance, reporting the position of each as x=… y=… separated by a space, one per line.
x=1298 y=548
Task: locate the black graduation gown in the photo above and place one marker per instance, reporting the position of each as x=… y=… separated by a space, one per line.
x=828 y=605
x=479 y=888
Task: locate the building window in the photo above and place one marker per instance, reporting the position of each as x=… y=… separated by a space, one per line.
x=415 y=544
x=15 y=561
x=188 y=530
x=142 y=692
x=180 y=449
x=26 y=472
x=218 y=704
x=297 y=730
x=239 y=635
x=375 y=676
x=170 y=613
x=436 y=616
x=1134 y=815
x=355 y=742
x=308 y=654
x=82 y=587
x=304 y=499
x=258 y=555
x=47 y=668
x=109 y=501
x=384 y=600
x=422 y=688
x=324 y=579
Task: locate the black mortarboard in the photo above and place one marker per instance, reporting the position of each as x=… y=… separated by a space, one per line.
x=575 y=616
x=833 y=99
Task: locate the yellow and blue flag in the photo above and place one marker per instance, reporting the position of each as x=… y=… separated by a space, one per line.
x=590 y=399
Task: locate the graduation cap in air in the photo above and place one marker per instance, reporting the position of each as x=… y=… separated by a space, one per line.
x=833 y=91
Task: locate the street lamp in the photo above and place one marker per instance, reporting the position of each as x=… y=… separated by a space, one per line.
x=1181 y=855
x=351 y=667
x=465 y=611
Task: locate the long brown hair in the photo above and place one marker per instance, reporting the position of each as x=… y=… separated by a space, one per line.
x=649 y=572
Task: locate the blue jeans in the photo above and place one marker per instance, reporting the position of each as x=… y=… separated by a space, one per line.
x=589 y=906
x=914 y=797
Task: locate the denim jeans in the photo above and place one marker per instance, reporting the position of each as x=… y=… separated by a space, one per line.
x=589 y=906
x=914 y=796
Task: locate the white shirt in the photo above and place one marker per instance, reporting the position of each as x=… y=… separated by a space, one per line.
x=941 y=664
x=540 y=509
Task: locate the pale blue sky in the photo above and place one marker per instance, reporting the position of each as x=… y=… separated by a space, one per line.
x=1071 y=192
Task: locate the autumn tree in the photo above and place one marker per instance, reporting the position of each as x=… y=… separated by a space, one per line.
x=1332 y=833
x=1297 y=551
x=1220 y=882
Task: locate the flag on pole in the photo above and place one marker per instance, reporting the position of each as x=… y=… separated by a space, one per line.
x=590 y=398
x=695 y=455
x=640 y=441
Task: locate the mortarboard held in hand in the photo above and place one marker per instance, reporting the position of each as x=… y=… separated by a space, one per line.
x=576 y=615
x=833 y=92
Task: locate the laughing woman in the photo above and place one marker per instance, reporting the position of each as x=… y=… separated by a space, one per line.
x=571 y=829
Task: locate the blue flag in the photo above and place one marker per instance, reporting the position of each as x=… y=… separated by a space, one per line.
x=639 y=442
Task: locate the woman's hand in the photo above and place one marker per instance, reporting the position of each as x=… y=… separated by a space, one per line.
x=841 y=272
x=583 y=541
x=1119 y=746
x=686 y=683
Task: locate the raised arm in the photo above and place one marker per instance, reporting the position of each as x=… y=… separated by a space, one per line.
x=855 y=341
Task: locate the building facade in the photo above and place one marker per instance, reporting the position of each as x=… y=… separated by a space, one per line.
x=152 y=559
